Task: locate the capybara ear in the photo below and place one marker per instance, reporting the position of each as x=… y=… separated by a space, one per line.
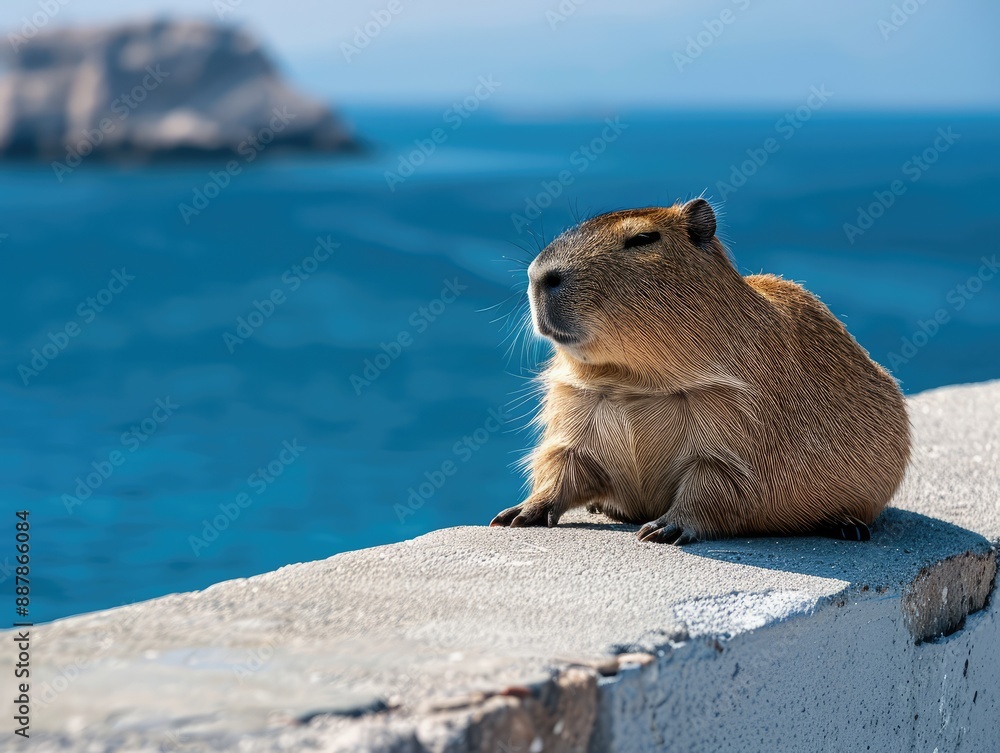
x=700 y=218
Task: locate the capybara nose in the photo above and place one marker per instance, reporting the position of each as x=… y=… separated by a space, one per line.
x=547 y=281
x=551 y=280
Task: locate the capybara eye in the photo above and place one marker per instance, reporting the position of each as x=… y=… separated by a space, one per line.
x=642 y=239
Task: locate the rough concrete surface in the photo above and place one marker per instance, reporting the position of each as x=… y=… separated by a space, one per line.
x=574 y=638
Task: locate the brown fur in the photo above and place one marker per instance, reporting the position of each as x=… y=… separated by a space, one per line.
x=711 y=404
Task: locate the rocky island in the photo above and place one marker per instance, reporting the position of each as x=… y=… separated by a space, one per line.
x=152 y=89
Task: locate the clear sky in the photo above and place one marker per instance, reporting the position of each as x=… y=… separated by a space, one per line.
x=886 y=54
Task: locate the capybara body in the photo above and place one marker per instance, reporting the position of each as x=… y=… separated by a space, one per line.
x=699 y=402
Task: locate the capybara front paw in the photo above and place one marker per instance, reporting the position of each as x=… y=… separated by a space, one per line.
x=662 y=532
x=526 y=515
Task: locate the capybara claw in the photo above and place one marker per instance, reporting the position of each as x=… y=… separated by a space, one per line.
x=506 y=517
x=666 y=533
x=847 y=532
x=529 y=518
x=520 y=516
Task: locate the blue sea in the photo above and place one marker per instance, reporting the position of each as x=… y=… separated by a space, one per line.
x=212 y=373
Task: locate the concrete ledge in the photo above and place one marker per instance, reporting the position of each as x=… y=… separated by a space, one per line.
x=575 y=638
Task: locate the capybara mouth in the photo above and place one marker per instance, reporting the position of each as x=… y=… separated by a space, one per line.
x=564 y=338
x=555 y=330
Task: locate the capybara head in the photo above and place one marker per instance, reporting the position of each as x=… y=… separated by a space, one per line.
x=627 y=288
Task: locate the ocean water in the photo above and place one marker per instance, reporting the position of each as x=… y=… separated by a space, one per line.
x=323 y=358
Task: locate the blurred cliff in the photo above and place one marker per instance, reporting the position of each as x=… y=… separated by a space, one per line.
x=154 y=89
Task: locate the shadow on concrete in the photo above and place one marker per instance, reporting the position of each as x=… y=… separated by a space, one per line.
x=903 y=543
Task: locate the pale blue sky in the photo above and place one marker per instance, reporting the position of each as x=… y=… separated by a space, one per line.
x=608 y=53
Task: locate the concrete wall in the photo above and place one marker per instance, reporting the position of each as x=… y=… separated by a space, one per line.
x=849 y=678
x=576 y=638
